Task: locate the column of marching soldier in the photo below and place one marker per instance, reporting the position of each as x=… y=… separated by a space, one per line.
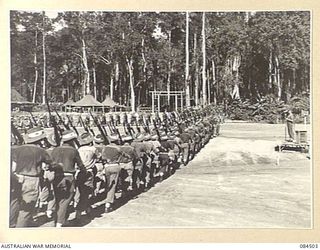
x=63 y=170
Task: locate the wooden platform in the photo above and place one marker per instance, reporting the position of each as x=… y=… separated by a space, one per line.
x=293 y=146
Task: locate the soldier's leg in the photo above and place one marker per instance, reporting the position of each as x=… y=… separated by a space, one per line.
x=64 y=195
x=164 y=165
x=128 y=167
x=100 y=179
x=85 y=189
x=173 y=161
x=14 y=211
x=112 y=172
x=15 y=200
x=218 y=129
x=148 y=171
x=191 y=151
x=51 y=203
x=29 y=195
x=137 y=175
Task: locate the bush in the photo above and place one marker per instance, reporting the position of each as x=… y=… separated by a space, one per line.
x=268 y=109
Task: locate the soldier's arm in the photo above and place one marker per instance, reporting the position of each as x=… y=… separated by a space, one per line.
x=45 y=157
x=79 y=162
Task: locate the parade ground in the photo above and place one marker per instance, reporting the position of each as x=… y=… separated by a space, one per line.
x=236 y=181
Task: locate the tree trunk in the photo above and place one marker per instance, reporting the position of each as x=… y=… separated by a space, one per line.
x=270 y=70
x=44 y=62
x=277 y=70
x=294 y=85
x=131 y=80
x=196 y=63
x=214 y=81
x=111 y=87
x=86 y=89
x=235 y=67
x=35 y=69
x=169 y=82
x=204 y=89
x=187 y=82
x=209 y=86
x=169 y=69
x=115 y=78
x=94 y=81
x=144 y=70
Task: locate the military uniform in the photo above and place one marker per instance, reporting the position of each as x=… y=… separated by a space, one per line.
x=68 y=162
x=85 y=181
x=26 y=163
x=111 y=155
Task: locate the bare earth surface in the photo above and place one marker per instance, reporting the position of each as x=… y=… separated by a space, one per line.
x=234 y=182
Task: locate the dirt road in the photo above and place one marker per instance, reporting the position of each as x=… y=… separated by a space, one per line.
x=234 y=182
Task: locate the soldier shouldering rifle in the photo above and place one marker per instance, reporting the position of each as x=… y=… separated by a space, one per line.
x=66 y=171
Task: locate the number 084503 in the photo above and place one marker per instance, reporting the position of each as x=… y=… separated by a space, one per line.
x=309 y=246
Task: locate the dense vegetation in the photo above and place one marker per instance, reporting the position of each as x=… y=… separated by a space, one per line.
x=239 y=58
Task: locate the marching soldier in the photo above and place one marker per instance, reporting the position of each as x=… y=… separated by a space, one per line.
x=128 y=162
x=100 y=175
x=100 y=169
x=186 y=142
x=143 y=164
x=85 y=180
x=68 y=162
x=111 y=155
x=47 y=194
x=27 y=161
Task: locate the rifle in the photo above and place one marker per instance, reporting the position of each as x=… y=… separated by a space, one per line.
x=61 y=121
x=83 y=125
x=137 y=127
x=127 y=129
x=67 y=127
x=16 y=134
x=31 y=123
x=110 y=128
x=54 y=124
x=167 y=126
x=87 y=127
x=131 y=130
x=74 y=128
x=155 y=127
x=105 y=138
x=103 y=127
x=144 y=126
x=117 y=131
x=147 y=126
x=34 y=120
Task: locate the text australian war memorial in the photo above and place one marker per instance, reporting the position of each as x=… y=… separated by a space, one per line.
x=160 y=119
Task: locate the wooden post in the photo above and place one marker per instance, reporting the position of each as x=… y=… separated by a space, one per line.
x=176 y=102
x=152 y=95
x=158 y=102
x=181 y=100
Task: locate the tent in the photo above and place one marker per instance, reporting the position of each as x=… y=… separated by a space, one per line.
x=17 y=98
x=108 y=102
x=121 y=106
x=70 y=102
x=87 y=101
x=18 y=101
x=68 y=105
